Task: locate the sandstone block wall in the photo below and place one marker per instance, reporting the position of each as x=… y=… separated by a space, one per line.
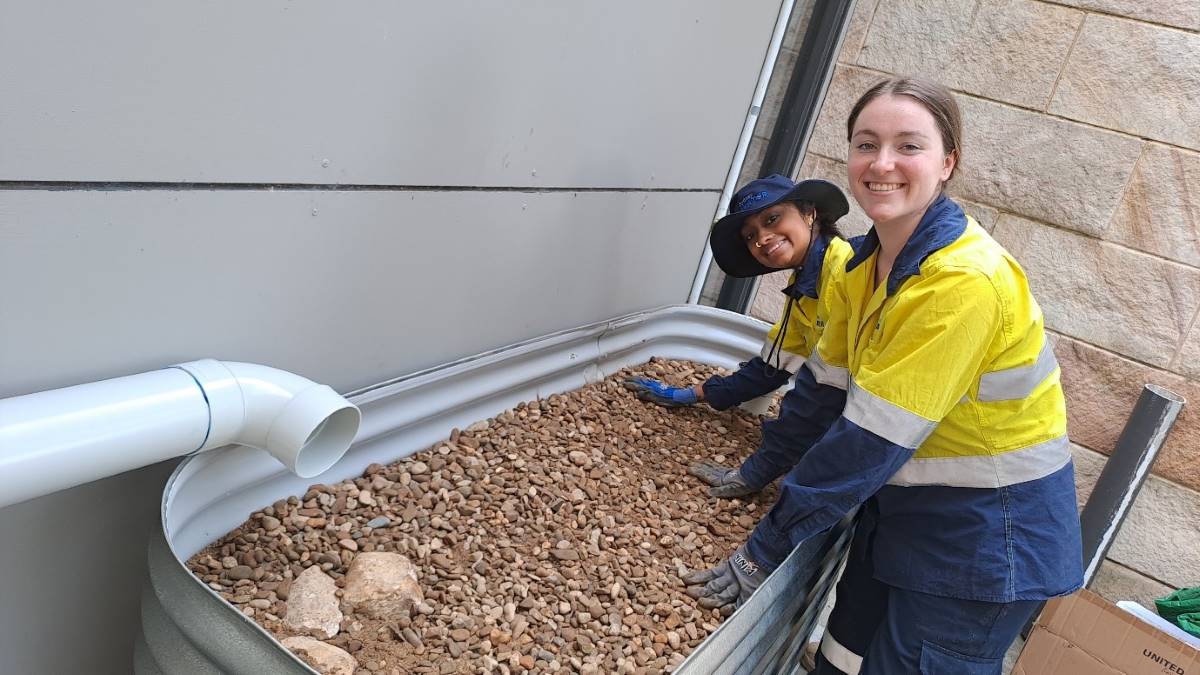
x=1081 y=156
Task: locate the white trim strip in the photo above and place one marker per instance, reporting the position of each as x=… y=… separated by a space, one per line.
x=839 y=656
x=789 y=361
x=826 y=374
x=1014 y=384
x=987 y=471
x=886 y=419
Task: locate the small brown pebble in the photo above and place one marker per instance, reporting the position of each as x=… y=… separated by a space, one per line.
x=411 y=637
x=240 y=572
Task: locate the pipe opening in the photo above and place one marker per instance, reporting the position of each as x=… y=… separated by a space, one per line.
x=327 y=442
x=1165 y=393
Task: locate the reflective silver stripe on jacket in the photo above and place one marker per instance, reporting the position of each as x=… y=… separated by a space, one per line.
x=886 y=419
x=789 y=361
x=987 y=471
x=826 y=374
x=1014 y=384
x=839 y=656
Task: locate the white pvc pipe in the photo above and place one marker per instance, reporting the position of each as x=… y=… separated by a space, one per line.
x=64 y=437
x=743 y=144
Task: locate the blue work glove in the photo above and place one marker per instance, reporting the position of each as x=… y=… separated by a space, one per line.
x=662 y=394
x=727 y=585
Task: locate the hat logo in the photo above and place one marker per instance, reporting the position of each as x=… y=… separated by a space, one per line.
x=751 y=199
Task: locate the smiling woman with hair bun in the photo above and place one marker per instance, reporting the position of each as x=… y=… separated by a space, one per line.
x=954 y=433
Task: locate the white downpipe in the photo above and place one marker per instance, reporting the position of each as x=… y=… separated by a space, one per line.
x=57 y=439
x=743 y=144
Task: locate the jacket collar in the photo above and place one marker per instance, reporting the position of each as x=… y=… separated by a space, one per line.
x=943 y=223
x=808 y=275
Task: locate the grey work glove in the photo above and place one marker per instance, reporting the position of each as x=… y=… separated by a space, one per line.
x=725 y=482
x=727 y=585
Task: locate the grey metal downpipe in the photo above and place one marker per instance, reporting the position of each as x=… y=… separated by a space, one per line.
x=1123 y=475
x=1125 y=471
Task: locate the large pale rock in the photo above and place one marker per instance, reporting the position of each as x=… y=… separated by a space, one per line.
x=846 y=85
x=1137 y=78
x=1160 y=211
x=325 y=658
x=313 y=604
x=1010 y=51
x=1116 y=582
x=1161 y=536
x=1101 y=389
x=1041 y=167
x=381 y=585
x=1109 y=295
x=1181 y=13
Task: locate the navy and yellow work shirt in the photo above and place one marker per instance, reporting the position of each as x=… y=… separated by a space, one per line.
x=954 y=419
x=796 y=345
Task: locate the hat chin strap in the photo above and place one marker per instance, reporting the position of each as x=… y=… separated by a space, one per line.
x=774 y=353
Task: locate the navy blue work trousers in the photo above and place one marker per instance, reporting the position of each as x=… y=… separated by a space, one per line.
x=877 y=629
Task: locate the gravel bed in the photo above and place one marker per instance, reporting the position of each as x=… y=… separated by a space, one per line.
x=548 y=538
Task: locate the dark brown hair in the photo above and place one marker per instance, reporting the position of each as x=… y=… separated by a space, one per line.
x=932 y=96
x=824 y=226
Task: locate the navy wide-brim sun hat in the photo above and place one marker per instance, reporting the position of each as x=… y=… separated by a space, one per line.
x=730 y=250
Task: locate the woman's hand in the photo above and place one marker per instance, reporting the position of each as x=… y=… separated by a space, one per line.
x=664 y=394
x=726 y=482
x=727 y=585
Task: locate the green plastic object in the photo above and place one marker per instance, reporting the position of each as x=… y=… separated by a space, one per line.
x=1182 y=608
x=1189 y=622
x=1182 y=601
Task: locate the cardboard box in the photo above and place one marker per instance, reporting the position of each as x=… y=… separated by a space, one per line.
x=1084 y=634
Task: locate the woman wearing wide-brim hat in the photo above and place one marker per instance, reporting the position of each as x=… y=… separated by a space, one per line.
x=776 y=224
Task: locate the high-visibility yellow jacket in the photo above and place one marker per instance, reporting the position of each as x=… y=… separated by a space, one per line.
x=810 y=306
x=954 y=420
x=953 y=362
x=795 y=346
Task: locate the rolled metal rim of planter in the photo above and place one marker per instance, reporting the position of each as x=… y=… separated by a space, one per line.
x=188 y=628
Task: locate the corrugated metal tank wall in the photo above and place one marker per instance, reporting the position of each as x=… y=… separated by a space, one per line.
x=350 y=192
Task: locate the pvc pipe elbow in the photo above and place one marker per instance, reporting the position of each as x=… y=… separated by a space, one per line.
x=305 y=425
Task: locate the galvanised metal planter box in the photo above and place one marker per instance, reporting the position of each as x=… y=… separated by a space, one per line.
x=188 y=628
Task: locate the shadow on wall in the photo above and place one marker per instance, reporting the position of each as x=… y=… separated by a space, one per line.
x=109 y=521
